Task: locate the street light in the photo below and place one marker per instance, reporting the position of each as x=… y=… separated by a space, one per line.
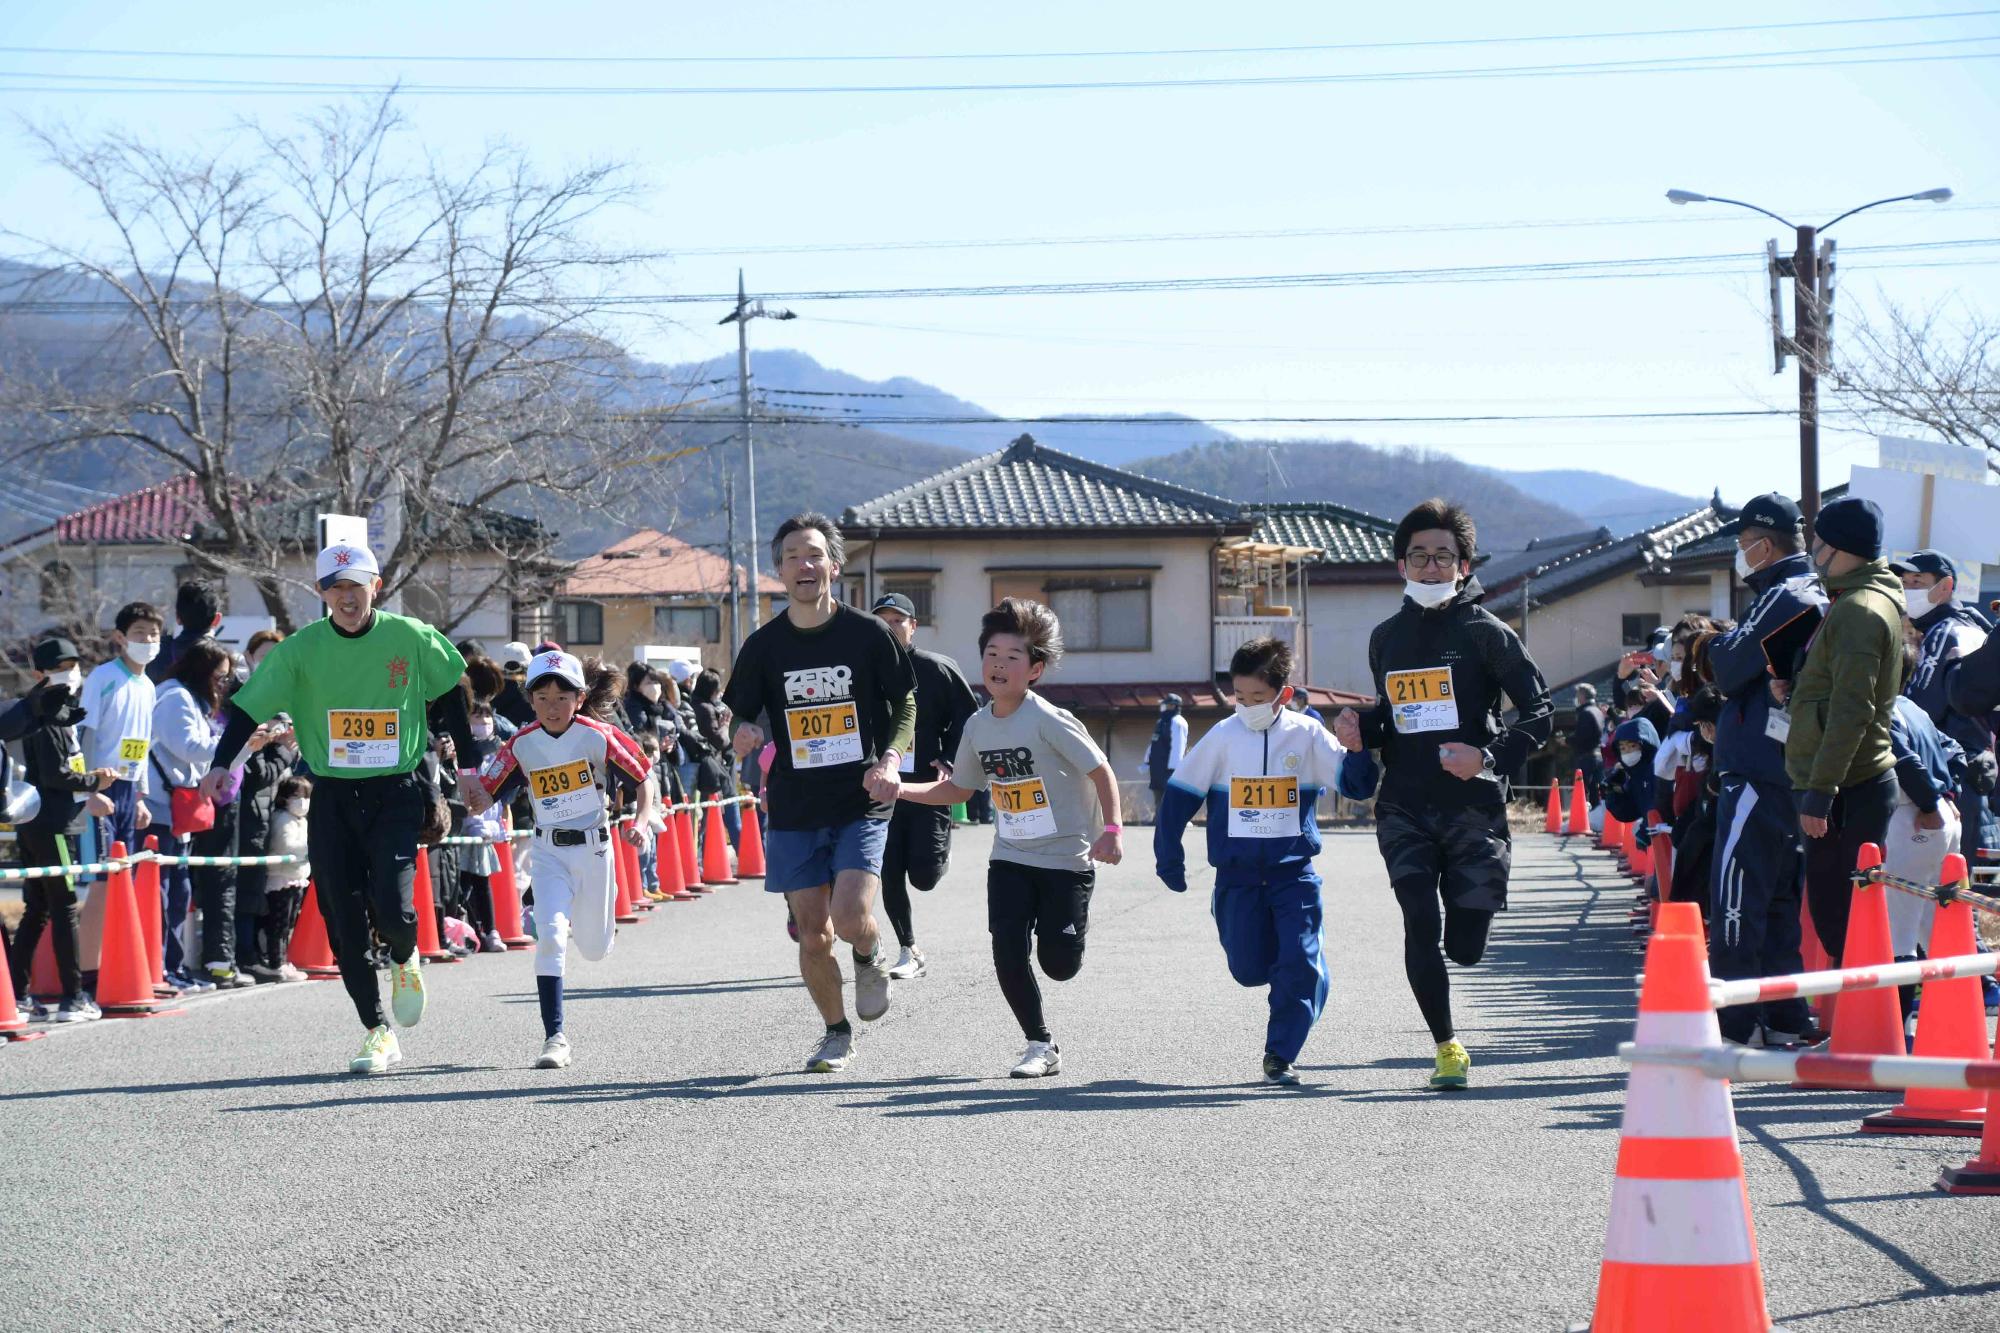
x=741 y=316
x=1807 y=312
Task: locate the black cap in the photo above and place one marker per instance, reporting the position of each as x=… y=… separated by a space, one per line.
x=895 y=601
x=1851 y=524
x=1772 y=511
x=53 y=651
x=1925 y=562
x=1171 y=704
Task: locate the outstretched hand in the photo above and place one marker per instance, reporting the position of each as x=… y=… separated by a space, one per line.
x=1347 y=729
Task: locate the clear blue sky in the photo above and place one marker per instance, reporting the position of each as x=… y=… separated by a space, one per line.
x=1401 y=158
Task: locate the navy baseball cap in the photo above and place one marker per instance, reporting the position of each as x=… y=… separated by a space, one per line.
x=1925 y=562
x=895 y=601
x=1772 y=511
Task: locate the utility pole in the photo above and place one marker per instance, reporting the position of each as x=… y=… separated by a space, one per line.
x=1805 y=336
x=729 y=553
x=741 y=317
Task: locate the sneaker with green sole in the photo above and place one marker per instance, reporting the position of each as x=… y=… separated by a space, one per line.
x=379 y=1050
x=1453 y=1064
x=406 y=994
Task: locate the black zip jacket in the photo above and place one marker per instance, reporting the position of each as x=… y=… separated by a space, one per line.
x=53 y=761
x=944 y=701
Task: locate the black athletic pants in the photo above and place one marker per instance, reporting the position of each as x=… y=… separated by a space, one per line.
x=915 y=856
x=361 y=836
x=1860 y=814
x=1054 y=907
x=1449 y=869
x=51 y=903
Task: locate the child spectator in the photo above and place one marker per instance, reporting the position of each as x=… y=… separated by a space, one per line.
x=285 y=889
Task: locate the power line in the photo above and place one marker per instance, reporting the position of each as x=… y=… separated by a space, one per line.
x=897 y=57
x=102 y=84
x=1183 y=422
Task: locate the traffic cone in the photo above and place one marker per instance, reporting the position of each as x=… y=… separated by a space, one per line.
x=44 y=981
x=1981 y=1175
x=311 y=951
x=1951 y=1025
x=429 y=946
x=1680 y=1251
x=13 y=1023
x=1554 y=821
x=1579 y=809
x=1871 y=1022
x=1812 y=957
x=635 y=879
x=750 y=855
x=146 y=892
x=622 y=910
x=667 y=856
x=690 y=867
x=506 y=891
x=1663 y=864
x=1639 y=863
x=124 y=982
x=715 y=848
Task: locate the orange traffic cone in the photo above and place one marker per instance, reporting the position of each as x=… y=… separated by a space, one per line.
x=1871 y=1022
x=1663 y=864
x=1579 y=809
x=146 y=891
x=1640 y=863
x=690 y=867
x=13 y=1023
x=667 y=857
x=1680 y=1251
x=429 y=946
x=1951 y=1025
x=44 y=981
x=506 y=892
x=750 y=855
x=622 y=910
x=124 y=982
x=715 y=849
x=311 y=951
x=1812 y=958
x=1554 y=821
x=1981 y=1175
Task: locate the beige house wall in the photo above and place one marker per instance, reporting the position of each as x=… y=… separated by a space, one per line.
x=1582 y=633
x=1340 y=617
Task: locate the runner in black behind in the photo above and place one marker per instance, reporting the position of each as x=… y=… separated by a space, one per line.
x=841 y=697
x=1441 y=664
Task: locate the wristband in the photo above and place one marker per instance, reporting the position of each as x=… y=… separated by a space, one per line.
x=1114 y=828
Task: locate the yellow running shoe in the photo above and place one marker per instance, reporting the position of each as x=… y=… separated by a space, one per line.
x=379 y=1050
x=406 y=995
x=1452 y=1067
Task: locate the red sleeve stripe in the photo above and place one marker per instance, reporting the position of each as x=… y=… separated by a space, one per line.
x=509 y=765
x=621 y=750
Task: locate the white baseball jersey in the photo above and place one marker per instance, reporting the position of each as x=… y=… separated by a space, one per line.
x=569 y=777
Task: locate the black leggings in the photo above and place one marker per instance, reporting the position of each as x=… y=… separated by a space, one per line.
x=1425 y=918
x=915 y=855
x=1054 y=907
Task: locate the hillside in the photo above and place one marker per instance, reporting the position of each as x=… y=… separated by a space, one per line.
x=1380 y=481
x=1613 y=502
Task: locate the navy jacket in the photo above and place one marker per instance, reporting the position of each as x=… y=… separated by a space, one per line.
x=1929 y=764
x=1951 y=634
x=1773 y=633
x=1629 y=791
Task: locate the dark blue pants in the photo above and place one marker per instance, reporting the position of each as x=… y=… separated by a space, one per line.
x=1270 y=934
x=1753 y=919
x=176 y=895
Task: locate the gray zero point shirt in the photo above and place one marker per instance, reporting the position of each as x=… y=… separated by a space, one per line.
x=1036 y=763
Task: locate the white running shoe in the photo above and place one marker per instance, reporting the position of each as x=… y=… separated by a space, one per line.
x=1041 y=1059
x=910 y=964
x=379 y=1050
x=555 y=1053
x=872 y=989
x=835 y=1049
x=406 y=994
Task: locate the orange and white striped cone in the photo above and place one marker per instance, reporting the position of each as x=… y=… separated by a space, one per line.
x=667 y=856
x=430 y=946
x=1579 y=807
x=690 y=867
x=1981 y=1175
x=1950 y=1026
x=1680 y=1251
x=13 y=1023
x=1870 y=1021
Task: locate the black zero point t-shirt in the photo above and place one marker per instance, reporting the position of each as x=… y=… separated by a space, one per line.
x=831 y=695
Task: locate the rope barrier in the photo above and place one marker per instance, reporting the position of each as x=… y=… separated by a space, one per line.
x=1801 y=985
x=1943 y=894
x=1740 y=1064
x=164 y=858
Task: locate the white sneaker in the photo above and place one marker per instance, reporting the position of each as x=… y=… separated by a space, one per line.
x=286 y=972
x=871 y=989
x=910 y=964
x=832 y=1053
x=1041 y=1059
x=379 y=1050
x=555 y=1053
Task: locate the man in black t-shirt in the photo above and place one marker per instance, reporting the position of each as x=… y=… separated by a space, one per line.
x=841 y=697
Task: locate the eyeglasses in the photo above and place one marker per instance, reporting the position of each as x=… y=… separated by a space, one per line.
x=1431 y=560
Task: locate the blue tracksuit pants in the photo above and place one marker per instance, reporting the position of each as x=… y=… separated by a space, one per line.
x=1270 y=934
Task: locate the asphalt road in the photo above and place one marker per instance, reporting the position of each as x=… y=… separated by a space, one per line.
x=219 y=1169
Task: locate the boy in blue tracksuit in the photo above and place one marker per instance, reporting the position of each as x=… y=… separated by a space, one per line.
x=1261 y=774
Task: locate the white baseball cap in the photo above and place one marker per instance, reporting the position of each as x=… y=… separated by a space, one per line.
x=681 y=670
x=346 y=563
x=515 y=654
x=558 y=664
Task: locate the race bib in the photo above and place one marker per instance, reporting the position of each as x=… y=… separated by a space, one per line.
x=1778 y=726
x=823 y=735
x=564 y=792
x=76 y=763
x=132 y=752
x=1265 y=807
x=1022 y=809
x=362 y=737
x=1422 y=700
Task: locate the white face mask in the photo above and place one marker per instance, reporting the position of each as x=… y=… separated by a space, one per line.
x=72 y=678
x=1744 y=569
x=1674 y=670
x=297 y=807
x=1429 y=596
x=1631 y=759
x=482 y=731
x=1918 y=602
x=138 y=654
x=1258 y=717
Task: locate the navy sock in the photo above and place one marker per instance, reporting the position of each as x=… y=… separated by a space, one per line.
x=550 y=990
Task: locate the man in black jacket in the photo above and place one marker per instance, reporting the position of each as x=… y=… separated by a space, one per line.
x=1441 y=665
x=919 y=845
x=1586 y=741
x=54 y=762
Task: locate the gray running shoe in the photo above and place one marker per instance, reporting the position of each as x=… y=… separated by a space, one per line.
x=835 y=1049
x=872 y=988
x=909 y=965
x=555 y=1053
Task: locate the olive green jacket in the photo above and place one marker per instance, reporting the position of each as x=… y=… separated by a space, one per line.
x=1841 y=702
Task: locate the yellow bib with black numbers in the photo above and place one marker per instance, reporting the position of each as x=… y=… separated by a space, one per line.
x=564 y=792
x=362 y=737
x=1264 y=807
x=1422 y=700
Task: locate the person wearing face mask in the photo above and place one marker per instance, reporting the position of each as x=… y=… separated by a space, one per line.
x=1165 y=751
x=117 y=727
x=1441 y=665
x=1838 y=755
x=1925 y=825
x=1758 y=870
x=1688 y=798
x=55 y=768
x=1261 y=774
x=1630 y=789
x=1950 y=632
x=286 y=889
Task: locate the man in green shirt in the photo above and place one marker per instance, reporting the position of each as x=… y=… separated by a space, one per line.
x=364 y=688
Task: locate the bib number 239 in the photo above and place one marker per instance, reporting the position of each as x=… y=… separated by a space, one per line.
x=363 y=737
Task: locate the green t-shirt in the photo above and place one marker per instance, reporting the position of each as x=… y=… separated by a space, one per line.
x=357 y=704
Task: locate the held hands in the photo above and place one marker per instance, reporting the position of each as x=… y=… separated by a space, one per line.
x=211 y=782
x=1109 y=847
x=882 y=782
x=630 y=831
x=1463 y=762
x=477 y=802
x=1347 y=729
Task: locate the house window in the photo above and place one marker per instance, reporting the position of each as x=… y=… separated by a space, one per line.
x=1638 y=630
x=853 y=590
x=579 y=622
x=917 y=590
x=687 y=624
x=59 y=588
x=1103 y=615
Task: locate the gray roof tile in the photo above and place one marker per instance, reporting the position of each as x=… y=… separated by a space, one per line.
x=1348 y=536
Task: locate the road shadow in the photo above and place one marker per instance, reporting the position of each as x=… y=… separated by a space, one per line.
x=244 y=1084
